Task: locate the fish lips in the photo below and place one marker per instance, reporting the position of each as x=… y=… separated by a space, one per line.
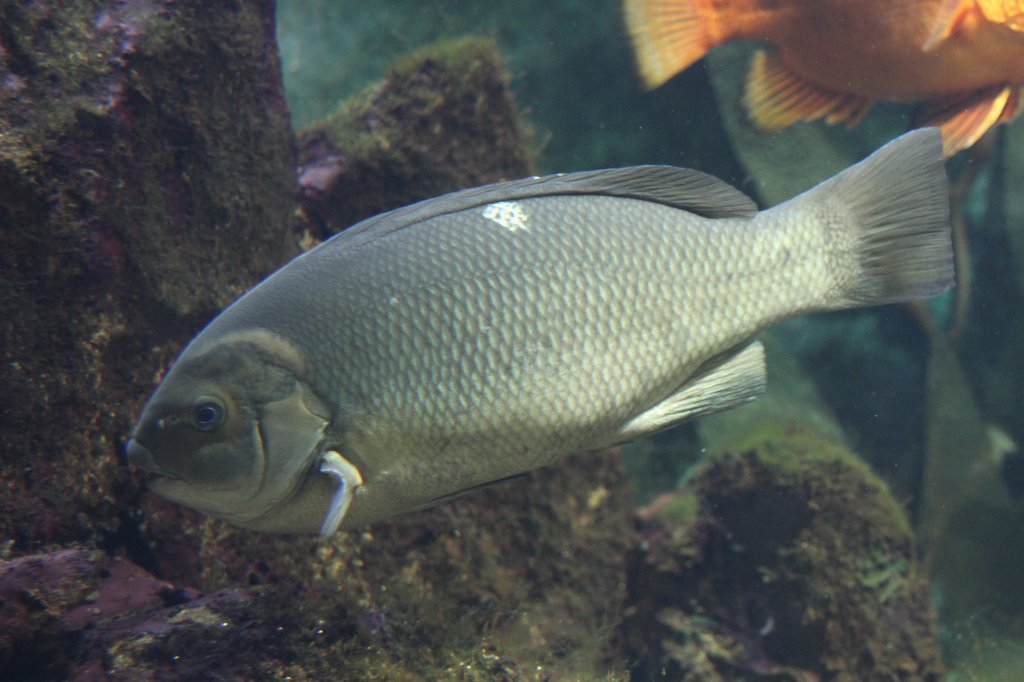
x=139 y=455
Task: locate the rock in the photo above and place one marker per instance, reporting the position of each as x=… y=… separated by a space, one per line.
x=495 y=586
x=158 y=190
x=146 y=179
x=443 y=118
x=786 y=559
x=57 y=608
x=527 y=572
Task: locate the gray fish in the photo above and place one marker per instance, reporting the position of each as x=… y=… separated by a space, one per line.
x=472 y=337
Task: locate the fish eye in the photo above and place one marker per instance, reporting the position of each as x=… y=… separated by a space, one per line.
x=207 y=413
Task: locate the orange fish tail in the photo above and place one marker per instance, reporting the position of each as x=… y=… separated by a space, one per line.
x=669 y=35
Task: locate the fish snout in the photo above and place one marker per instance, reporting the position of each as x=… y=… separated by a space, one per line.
x=139 y=455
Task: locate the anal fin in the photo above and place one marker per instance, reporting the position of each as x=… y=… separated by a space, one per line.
x=349 y=480
x=964 y=119
x=775 y=97
x=735 y=380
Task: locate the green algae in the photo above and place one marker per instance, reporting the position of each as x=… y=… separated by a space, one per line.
x=62 y=43
x=680 y=509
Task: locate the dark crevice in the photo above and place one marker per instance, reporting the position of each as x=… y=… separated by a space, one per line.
x=130 y=538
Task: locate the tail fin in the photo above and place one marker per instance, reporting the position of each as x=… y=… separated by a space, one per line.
x=895 y=213
x=668 y=36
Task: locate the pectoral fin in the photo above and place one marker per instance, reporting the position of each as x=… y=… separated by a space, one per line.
x=737 y=379
x=964 y=119
x=948 y=20
x=349 y=479
x=775 y=97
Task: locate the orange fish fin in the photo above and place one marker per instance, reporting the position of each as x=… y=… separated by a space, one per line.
x=950 y=16
x=964 y=119
x=668 y=36
x=775 y=97
x=1012 y=108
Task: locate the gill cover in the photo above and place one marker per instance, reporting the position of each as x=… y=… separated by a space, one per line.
x=291 y=433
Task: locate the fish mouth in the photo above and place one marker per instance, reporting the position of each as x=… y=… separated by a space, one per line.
x=139 y=455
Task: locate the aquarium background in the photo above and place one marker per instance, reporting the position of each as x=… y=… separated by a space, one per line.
x=574 y=77
x=861 y=521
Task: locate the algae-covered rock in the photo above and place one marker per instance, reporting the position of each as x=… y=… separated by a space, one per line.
x=523 y=582
x=783 y=559
x=57 y=609
x=443 y=118
x=526 y=577
x=146 y=179
x=156 y=188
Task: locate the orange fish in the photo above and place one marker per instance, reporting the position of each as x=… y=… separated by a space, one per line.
x=833 y=58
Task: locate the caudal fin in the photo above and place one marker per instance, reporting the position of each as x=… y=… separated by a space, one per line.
x=892 y=211
x=668 y=36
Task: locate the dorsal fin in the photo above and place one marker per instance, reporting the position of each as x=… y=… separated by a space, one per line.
x=681 y=188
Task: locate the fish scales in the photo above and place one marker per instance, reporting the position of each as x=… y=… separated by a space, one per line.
x=415 y=358
x=620 y=309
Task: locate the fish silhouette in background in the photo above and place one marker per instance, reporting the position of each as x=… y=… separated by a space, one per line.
x=831 y=59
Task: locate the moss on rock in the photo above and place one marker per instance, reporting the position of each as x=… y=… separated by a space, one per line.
x=799 y=565
x=443 y=118
x=522 y=581
x=146 y=179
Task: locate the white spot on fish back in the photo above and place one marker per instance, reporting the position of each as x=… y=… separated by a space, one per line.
x=508 y=214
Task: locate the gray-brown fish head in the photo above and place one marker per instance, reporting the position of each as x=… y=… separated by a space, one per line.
x=232 y=430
